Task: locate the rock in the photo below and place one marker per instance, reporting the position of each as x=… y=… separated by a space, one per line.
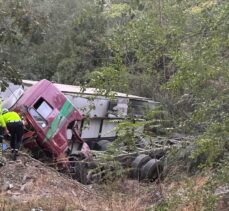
x=223 y=204
x=7 y=186
x=222 y=190
x=74 y=193
x=26 y=178
x=11 y=186
x=223 y=194
x=27 y=187
x=37 y=209
x=9 y=192
x=172 y=141
x=2 y=161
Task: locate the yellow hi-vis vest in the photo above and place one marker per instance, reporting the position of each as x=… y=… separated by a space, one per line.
x=2 y=122
x=11 y=116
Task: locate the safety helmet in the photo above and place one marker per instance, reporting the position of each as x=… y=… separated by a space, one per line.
x=4 y=110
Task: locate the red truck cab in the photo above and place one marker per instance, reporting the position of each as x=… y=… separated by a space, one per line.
x=49 y=115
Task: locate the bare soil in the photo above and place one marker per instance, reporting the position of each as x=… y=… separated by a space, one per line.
x=28 y=184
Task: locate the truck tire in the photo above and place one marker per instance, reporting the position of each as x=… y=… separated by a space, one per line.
x=151 y=170
x=103 y=145
x=81 y=172
x=138 y=162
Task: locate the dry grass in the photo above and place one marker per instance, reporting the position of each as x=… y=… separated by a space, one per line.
x=38 y=186
x=113 y=201
x=189 y=193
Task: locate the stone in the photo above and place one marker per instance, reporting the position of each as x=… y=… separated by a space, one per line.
x=37 y=209
x=26 y=178
x=27 y=187
x=2 y=161
x=7 y=186
x=223 y=194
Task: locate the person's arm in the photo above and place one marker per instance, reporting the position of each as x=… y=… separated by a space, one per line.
x=3 y=124
x=2 y=121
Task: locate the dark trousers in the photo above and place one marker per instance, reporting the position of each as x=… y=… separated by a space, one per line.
x=1 y=133
x=1 y=139
x=16 y=132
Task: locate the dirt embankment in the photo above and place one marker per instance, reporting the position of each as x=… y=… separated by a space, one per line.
x=28 y=184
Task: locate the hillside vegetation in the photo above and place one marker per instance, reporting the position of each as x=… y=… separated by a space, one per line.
x=175 y=52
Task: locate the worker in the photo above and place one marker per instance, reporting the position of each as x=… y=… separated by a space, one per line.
x=15 y=127
x=2 y=126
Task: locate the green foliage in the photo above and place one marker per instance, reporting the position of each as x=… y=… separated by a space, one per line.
x=175 y=52
x=197 y=194
x=202 y=63
x=127 y=131
x=213 y=144
x=194 y=197
x=8 y=73
x=84 y=49
x=158 y=122
x=133 y=132
x=11 y=34
x=118 y=10
x=107 y=80
x=222 y=173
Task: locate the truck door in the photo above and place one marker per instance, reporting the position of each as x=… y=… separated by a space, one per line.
x=54 y=120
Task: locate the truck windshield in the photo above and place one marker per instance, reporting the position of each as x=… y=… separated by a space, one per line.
x=38 y=118
x=43 y=108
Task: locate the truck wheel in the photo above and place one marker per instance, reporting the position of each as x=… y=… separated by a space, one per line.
x=138 y=162
x=78 y=168
x=151 y=170
x=103 y=145
x=81 y=172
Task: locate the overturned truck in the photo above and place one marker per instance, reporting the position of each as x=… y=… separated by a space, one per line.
x=55 y=116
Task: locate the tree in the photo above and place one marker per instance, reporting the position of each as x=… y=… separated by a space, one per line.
x=83 y=48
x=17 y=26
